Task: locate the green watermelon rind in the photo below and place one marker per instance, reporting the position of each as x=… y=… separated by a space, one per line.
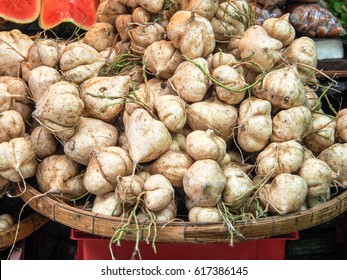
x=48 y=27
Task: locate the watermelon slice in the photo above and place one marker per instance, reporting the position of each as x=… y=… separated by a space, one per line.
x=82 y=13
x=51 y=13
x=20 y=11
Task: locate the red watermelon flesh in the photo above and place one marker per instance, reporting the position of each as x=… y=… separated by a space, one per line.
x=82 y=13
x=20 y=11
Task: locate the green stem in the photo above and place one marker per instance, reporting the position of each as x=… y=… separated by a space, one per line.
x=260 y=212
x=252 y=63
x=118 y=234
x=103 y=96
x=154 y=225
x=137 y=240
x=330 y=106
x=229 y=220
x=223 y=210
x=73 y=200
x=121 y=65
x=318 y=103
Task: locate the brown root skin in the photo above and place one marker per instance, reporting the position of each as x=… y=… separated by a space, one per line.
x=45 y=143
x=55 y=132
x=223 y=122
x=142 y=126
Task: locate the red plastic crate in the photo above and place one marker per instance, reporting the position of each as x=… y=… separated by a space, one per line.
x=90 y=247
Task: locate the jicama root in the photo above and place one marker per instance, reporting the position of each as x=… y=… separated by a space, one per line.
x=204 y=183
x=285 y=194
x=104 y=168
x=60 y=175
x=17 y=160
x=89 y=135
x=12 y=125
x=60 y=109
x=319 y=178
x=173 y=165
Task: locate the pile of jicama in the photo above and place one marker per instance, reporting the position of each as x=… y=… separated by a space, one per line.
x=169 y=110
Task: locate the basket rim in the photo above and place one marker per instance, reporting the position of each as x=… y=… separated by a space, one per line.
x=183 y=231
x=26 y=227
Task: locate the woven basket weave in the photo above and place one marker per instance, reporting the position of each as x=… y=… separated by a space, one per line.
x=186 y=232
x=25 y=228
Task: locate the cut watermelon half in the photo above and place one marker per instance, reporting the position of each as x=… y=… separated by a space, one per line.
x=82 y=13
x=20 y=11
x=50 y=13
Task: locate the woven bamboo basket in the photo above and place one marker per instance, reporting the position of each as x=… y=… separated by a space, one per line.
x=25 y=228
x=185 y=232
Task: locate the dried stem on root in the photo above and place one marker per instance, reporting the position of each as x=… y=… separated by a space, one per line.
x=20 y=216
x=118 y=234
